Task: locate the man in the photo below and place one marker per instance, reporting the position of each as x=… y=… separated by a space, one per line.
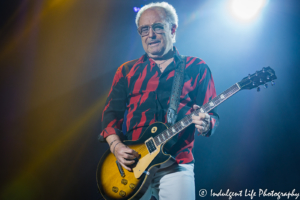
x=143 y=88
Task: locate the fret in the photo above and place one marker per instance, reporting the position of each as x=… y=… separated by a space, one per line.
x=190 y=119
x=163 y=136
x=168 y=133
x=158 y=139
x=220 y=98
x=173 y=130
x=187 y=119
x=181 y=128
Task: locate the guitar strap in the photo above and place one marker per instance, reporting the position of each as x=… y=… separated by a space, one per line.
x=176 y=91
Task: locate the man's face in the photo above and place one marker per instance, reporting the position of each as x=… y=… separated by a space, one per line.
x=156 y=45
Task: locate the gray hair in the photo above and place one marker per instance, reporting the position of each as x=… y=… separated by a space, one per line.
x=171 y=15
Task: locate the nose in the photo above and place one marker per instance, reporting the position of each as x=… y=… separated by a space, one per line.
x=151 y=32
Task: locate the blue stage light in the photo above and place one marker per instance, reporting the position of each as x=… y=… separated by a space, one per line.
x=136 y=9
x=246 y=10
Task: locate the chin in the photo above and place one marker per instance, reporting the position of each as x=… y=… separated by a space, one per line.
x=159 y=52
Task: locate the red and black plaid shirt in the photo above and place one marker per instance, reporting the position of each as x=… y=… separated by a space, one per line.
x=141 y=89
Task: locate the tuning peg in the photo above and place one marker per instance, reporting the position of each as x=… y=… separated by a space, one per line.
x=258 y=89
x=266 y=85
x=272 y=83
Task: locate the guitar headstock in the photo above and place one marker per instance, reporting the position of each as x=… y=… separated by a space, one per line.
x=262 y=77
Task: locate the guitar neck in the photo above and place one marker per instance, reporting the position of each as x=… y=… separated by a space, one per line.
x=186 y=121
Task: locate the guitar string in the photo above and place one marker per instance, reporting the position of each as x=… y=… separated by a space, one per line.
x=178 y=126
x=228 y=93
x=186 y=121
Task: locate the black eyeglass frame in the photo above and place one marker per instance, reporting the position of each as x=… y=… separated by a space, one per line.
x=139 y=29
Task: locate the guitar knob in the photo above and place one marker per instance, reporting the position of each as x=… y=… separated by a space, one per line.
x=253 y=83
x=256 y=73
x=124 y=181
x=249 y=76
x=115 y=189
x=260 y=80
x=132 y=186
x=263 y=70
x=258 y=89
x=266 y=85
x=122 y=193
x=272 y=83
x=268 y=77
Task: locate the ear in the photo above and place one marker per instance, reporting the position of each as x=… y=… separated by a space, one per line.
x=173 y=29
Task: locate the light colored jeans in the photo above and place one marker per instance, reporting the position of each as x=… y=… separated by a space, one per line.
x=176 y=182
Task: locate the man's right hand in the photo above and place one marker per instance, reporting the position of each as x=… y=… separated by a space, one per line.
x=123 y=153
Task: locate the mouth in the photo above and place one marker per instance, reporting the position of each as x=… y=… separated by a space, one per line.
x=153 y=43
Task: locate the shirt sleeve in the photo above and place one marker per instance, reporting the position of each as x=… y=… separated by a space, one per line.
x=115 y=106
x=206 y=92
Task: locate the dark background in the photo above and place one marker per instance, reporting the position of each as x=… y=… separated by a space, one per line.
x=57 y=62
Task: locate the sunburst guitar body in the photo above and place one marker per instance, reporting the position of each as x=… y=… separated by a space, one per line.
x=115 y=182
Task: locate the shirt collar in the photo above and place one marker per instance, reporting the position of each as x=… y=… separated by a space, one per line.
x=177 y=56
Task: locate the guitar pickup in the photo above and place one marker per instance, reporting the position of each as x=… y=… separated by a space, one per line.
x=150 y=145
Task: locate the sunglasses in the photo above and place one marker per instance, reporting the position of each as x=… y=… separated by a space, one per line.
x=156 y=27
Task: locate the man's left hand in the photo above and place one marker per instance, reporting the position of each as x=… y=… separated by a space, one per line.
x=201 y=121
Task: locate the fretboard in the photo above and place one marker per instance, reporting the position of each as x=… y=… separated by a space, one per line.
x=186 y=121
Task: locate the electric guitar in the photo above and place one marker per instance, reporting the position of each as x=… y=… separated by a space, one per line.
x=114 y=182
